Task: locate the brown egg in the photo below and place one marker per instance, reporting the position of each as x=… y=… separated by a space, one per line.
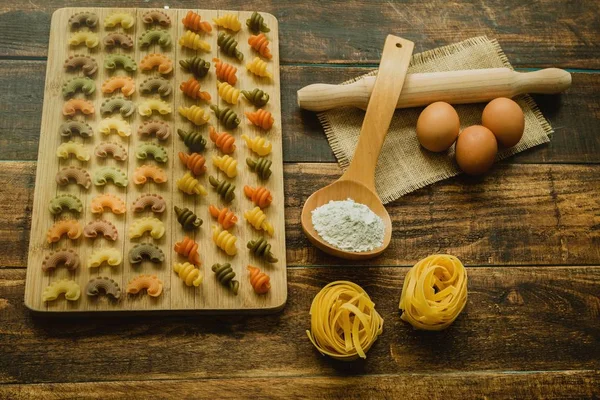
x=505 y=119
x=476 y=149
x=438 y=126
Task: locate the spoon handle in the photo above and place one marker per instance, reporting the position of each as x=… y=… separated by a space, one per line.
x=380 y=110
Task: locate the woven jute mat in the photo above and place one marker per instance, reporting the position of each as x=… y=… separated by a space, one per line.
x=404 y=166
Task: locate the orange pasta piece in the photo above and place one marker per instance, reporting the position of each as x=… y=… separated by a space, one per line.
x=191 y=88
x=164 y=63
x=261 y=282
x=194 y=162
x=260 y=43
x=193 y=21
x=261 y=118
x=125 y=83
x=225 y=72
x=70 y=227
x=188 y=248
x=260 y=195
x=107 y=200
x=71 y=107
x=224 y=216
x=147 y=171
x=223 y=140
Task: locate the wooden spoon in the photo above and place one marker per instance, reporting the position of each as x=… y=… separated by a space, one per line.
x=358 y=182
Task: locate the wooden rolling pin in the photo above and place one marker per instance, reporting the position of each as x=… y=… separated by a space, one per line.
x=455 y=87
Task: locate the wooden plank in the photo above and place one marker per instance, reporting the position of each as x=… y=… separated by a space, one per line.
x=315 y=33
x=574 y=115
x=518 y=214
x=517 y=319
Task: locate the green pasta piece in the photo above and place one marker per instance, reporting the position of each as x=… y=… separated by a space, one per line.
x=257 y=97
x=72 y=127
x=196 y=65
x=261 y=248
x=256 y=23
x=105 y=174
x=64 y=202
x=187 y=218
x=155 y=150
x=81 y=83
x=193 y=140
x=261 y=166
x=229 y=45
x=117 y=104
x=112 y=61
x=160 y=36
x=226 y=115
x=225 y=276
x=223 y=188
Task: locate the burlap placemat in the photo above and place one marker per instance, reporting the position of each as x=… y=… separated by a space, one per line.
x=404 y=166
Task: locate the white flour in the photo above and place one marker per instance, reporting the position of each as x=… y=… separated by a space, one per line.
x=349 y=226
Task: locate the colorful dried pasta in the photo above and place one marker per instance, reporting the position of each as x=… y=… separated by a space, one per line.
x=193 y=140
x=117 y=104
x=228 y=21
x=193 y=21
x=109 y=201
x=196 y=65
x=145 y=172
x=66 y=149
x=191 y=88
x=87 y=64
x=156 y=203
x=152 y=36
x=195 y=162
x=224 y=141
x=190 y=185
x=261 y=166
x=124 y=19
x=227 y=116
x=223 y=188
x=261 y=248
x=78 y=175
x=224 y=274
x=146 y=251
x=226 y=164
x=114 y=61
x=188 y=248
x=228 y=92
x=260 y=195
x=146 y=107
x=224 y=240
x=124 y=83
x=259 y=68
x=156 y=17
x=261 y=118
x=193 y=41
x=107 y=255
x=105 y=174
x=65 y=202
x=257 y=218
x=101 y=228
x=90 y=39
x=69 y=227
x=150 y=283
x=72 y=127
x=72 y=106
x=224 y=216
x=256 y=23
x=196 y=115
x=156 y=84
x=81 y=84
x=160 y=129
x=260 y=43
x=163 y=63
x=190 y=275
x=225 y=72
x=70 y=288
x=153 y=225
x=107 y=286
x=154 y=150
x=257 y=97
x=114 y=124
x=261 y=282
x=117 y=39
x=111 y=149
x=257 y=144
x=187 y=219
x=228 y=45
x=83 y=19
x=67 y=258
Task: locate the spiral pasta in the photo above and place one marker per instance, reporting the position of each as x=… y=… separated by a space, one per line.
x=224 y=216
x=65 y=202
x=256 y=23
x=257 y=144
x=82 y=84
x=228 y=92
x=224 y=141
x=193 y=41
x=113 y=124
x=105 y=174
x=261 y=118
x=65 y=150
x=196 y=65
x=155 y=150
x=193 y=140
x=125 y=83
x=112 y=61
x=71 y=107
x=161 y=85
x=343 y=321
x=190 y=275
x=257 y=218
x=90 y=39
x=257 y=97
x=188 y=248
x=196 y=115
x=88 y=64
x=70 y=288
x=228 y=118
x=151 y=283
x=226 y=164
x=190 y=185
x=225 y=275
x=260 y=195
x=69 y=227
x=228 y=21
x=193 y=21
x=108 y=200
x=101 y=228
x=117 y=104
x=147 y=171
x=261 y=282
x=147 y=224
x=151 y=36
x=261 y=248
x=124 y=19
x=228 y=45
x=108 y=255
x=260 y=43
x=434 y=292
x=187 y=219
x=259 y=68
x=224 y=240
x=225 y=72
x=191 y=88
x=195 y=162
x=261 y=166
x=63 y=257
x=163 y=63
x=225 y=189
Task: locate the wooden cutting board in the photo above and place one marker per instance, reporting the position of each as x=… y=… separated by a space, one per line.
x=210 y=296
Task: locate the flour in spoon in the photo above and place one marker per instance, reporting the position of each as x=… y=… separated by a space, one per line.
x=349 y=226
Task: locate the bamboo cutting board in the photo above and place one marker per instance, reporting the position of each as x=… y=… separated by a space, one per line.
x=210 y=296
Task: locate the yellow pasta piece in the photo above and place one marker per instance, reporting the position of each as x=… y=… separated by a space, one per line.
x=108 y=255
x=190 y=185
x=188 y=273
x=77 y=149
x=89 y=38
x=228 y=92
x=434 y=292
x=198 y=116
x=108 y=125
x=147 y=106
x=226 y=164
x=224 y=240
x=126 y=20
x=70 y=288
x=193 y=41
x=258 y=67
x=257 y=144
x=257 y=218
x=147 y=224
x=228 y=21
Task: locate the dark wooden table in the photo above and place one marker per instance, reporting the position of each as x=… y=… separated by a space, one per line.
x=529 y=231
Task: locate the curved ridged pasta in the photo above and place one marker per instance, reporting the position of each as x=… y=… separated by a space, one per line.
x=113 y=124
x=228 y=21
x=193 y=140
x=259 y=68
x=103 y=175
x=188 y=248
x=105 y=285
x=126 y=20
x=88 y=64
x=196 y=65
x=224 y=141
x=224 y=216
x=72 y=127
x=193 y=21
x=156 y=203
x=69 y=227
x=224 y=240
x=228 y=45
x=147 y=171
x=79 y=175
x=109 y=255
x=190 y=185
x=83 y=18
x=90 y=39
x=191 y=275
x=257 y=218
x=193 y=41
x=187 y=219
x=148 y=106
x=71 y=107
x=151 y=36
x=228 y=92
x=114 y=149
x=261 y=118
x=117 y=39
x=161 y=85
x=225 y=275
x=226 y=164
x=65 y=202
x=257 y=144
x=70 y=288
x=125 y=83
x=162 y=62
x=196 y=115
x=67 y=258
x=146 y=251
x=146 y=149
x=146 y=224
x=260 y=195
x=228 y=118
x=77 y=149
x=261 y=282
x=81 y=84
x=257 y=97
x=195 y=162
x=117 y=104
x=261 y=166
x=151 y=283
x=101 y=227
x=260 y=43
x=161 y=129
x=113 y=61
x=261 y=248
x=256 y=23
x=107 y=200
x=225 y=72
x=223 y=188
x=156 y=17
x=191 y=88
